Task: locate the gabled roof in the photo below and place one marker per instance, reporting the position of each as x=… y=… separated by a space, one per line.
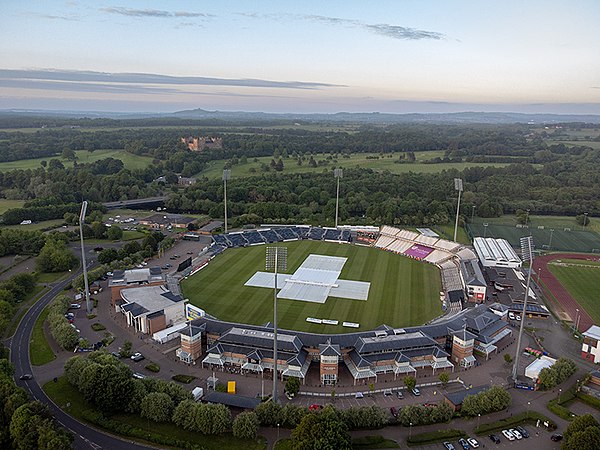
x=195 y=329
x=456 y=398
x=593 y=332
x=463 y=335
x=329 y=349
x=358 y=360
x=256 y=354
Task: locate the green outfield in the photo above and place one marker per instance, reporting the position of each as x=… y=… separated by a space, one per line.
x=403 y=291
x=582 y=283
x=570 y=238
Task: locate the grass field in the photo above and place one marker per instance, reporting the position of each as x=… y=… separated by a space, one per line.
x=403 y=291
x=39 y=350
x=215 y=168
x=548 y=238
x=83 y=156
x=582 y=283
x=5 y=204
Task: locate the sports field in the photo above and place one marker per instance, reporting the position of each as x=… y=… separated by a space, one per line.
x=403 y=291
x=581 y=279
x=546 y=238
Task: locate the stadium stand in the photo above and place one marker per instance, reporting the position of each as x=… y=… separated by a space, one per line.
x=270 y=236
x=438 y=256
x=426 y=240
x=286 y=234
x=237 y=240
x=221 y=240
x=332 y=234
x=254 y=237
x=384 y=241
x=316 y=233
x=346 y=236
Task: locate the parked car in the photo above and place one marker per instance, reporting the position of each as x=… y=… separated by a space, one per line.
x=494 y=438
x=359 y=395
x=137 y=357
x=473 y=442
x=523 y=431
x=448 y=446
x=511 y=316
x=394 y=411
x=556 y=437
x=315 y=407
x=387 y=392
x=516 y=434
x=416 y=391
x=464 y=444
x=139 y=376
x=508 y=435
x=26 y=376
x=116 y=355
x=74 y=306
x=400 y=394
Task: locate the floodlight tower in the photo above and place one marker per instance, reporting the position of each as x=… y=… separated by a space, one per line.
x=337 y=173
x=226 y=176
x=88 y=304
x=458 y=186
x=276 y=261
x=527 y=253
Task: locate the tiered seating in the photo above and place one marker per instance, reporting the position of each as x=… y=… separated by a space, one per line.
x=270 y=236
x=443 y=244
x=346 y=236
x=438 y=256
x=332 y=235
x=451 y=276
x=221 y=240
x=286 y=234
x=316 y=233
x=408 y=235
x=426 y=240
x=389 y=231
x=302 y=232
x=399 y=246
x=237 y=240
x=253 y=237
x=384 y=241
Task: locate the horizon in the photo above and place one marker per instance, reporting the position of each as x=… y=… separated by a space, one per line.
x=283 y=57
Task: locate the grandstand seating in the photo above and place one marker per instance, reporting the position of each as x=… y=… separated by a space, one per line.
x=399 y=246
x=220 y=239
x=237 y=240
x=384 y=241
x=286 y=233
x=408 y=235
x=389 y=231
x=438 y=256
x=270 y=236
x=346 y=236
x=302 y=231
x=253 y=237
x=316 y=233
x=426 y=240
x=332 y=234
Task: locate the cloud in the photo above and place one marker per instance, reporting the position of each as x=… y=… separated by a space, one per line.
x=156 y=13
x=79 y=76
x=69 y=17
x=381 y=29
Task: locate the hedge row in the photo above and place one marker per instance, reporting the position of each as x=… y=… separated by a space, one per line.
x=435 y=436
x=589 y=400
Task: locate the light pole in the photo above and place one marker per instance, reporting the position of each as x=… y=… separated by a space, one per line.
x=410 y=430
x=226 y=176
x=527 y=254
x=577 y=320
x=528 y=408
x=473 y=214
x=585 y=220
x=276 y=261
x=337 y=173
x=550 y=242
x=458 y=186
x=88 y=304
x=485 y=225
x=527 y=218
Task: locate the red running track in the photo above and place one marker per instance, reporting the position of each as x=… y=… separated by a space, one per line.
x=566 y=300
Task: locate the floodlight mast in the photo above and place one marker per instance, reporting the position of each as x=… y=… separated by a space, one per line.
x=88 y=304
x=527 y=252
x=337 y=173
x=276 y=260
x=458 y=186
x=226 y=176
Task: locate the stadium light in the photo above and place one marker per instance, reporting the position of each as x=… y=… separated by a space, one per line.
x=337 y=173
x=458 y=186
x=226 y=176
x=88 y=304
x=276 y=261
x=527 y=254
x=550 y=241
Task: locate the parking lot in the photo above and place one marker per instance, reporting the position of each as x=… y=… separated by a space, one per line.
x=534 y=442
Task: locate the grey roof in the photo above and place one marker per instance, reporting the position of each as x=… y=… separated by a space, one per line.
x=394 y=342
x=155 y=314
x=155 y=270
x=358 y=360
x=137 y=310
x=499 y=307
x=463 y=334
x=175 y=298
x=329 y=349
x=118 y=274
x=213 y=225
x=165 y=219
x=256 y=354
x=234 y=400
x=193 y=330
x=531 y=307
x=298 y=359
x=262 y=339
x=456 y=398
x=456 y=295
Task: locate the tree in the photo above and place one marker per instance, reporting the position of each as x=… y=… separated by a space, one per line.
x=292 y=386
x=556 y=374
x=108 y=386
x=68 y=154
x=99 y=230
x=246 y=425
x=491 y=400
x=323 y=430
x=583 y=433
x=444 y=378
x=184 y=415
x=507 y=358
x=125 y=351
x=114 y=233
x=291 y=415
x=108 y=255
x=269 y=413
x=157 y=406
x=55 y=256
x=410 y=382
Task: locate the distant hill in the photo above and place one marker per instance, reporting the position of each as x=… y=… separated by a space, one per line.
x=367 y=118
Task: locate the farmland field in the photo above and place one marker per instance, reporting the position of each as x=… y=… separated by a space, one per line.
x=364 y=160
x=130 y=161
x=403 y=291
x=581 y=282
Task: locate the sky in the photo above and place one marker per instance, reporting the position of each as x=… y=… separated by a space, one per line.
x=396 y=56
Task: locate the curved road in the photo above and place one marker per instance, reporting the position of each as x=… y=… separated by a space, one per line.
x=85 y=437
